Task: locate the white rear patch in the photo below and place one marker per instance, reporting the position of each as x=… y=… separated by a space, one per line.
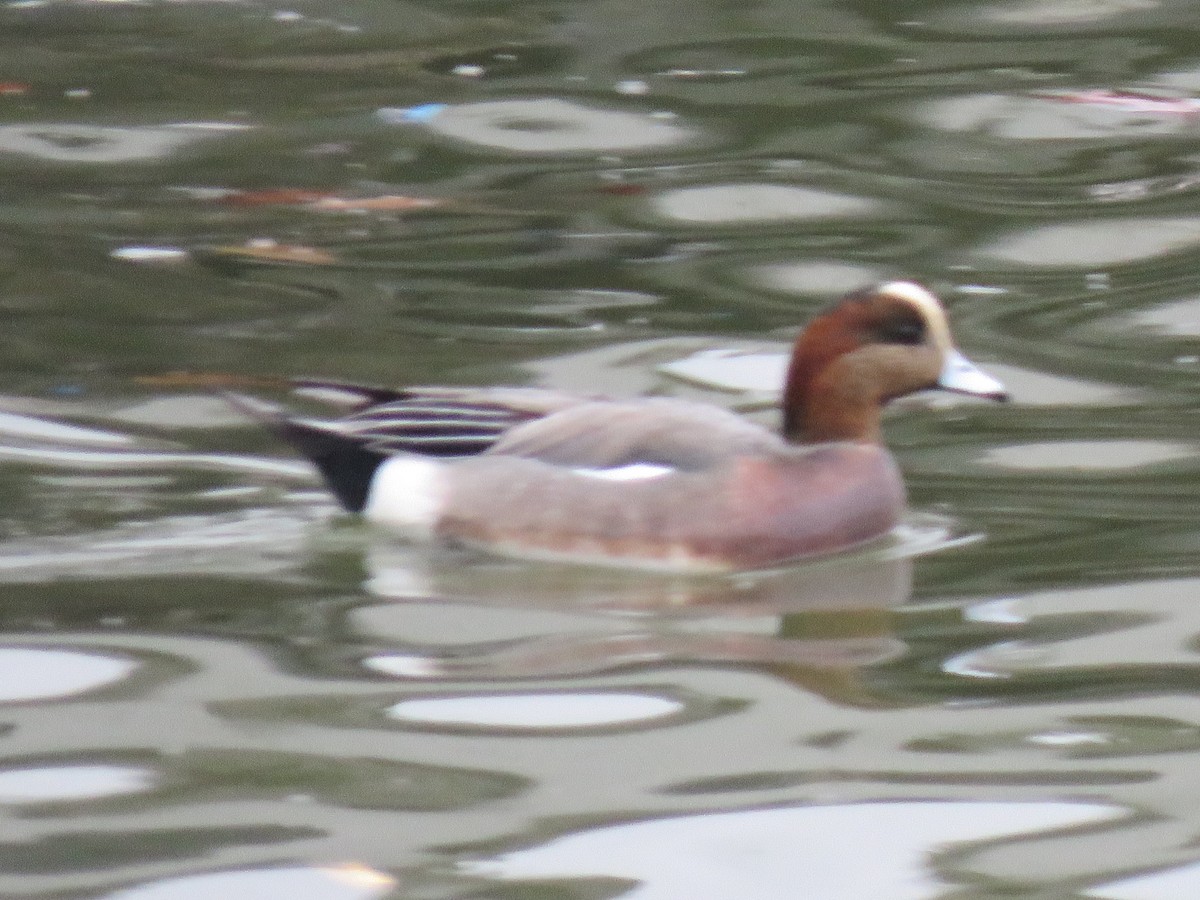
x=407 y=493
x=631 y=472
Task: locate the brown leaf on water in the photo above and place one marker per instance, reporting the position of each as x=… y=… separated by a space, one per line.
x=181 y=378
x=273 y=197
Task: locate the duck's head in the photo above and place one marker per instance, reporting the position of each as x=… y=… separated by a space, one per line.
x=870 y=347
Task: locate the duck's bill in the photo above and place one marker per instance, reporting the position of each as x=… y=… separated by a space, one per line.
x=962 y=376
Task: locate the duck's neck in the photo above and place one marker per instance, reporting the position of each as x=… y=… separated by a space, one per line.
x=828 y=396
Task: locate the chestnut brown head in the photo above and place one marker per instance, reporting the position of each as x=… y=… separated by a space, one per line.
x=870 y=347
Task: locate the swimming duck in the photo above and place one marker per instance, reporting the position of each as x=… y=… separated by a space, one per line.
x=652 y=482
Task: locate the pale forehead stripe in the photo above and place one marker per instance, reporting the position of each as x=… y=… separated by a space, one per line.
x=928 y=305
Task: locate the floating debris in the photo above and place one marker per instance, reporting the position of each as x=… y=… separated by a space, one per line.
x=182 y=378
x=1142 y=188
x=151 y=254
x=326 y=201
x=13 y=88
x=385 y=203
x=697 y=74
x=1131 y=101
x=409 y=115
x=982 y=290
x=272 y=197
x=205 y=194
x=210 y=126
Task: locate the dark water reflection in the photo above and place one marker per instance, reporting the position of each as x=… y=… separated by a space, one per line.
x=212 y=685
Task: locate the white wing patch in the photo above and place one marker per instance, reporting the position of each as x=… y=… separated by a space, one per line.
x=631 y=472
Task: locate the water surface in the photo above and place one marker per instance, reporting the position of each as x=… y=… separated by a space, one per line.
x=213 y=684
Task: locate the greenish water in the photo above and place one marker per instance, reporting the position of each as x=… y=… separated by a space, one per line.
x=213 y=684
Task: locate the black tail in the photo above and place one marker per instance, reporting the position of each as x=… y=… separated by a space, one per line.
x=346 y=462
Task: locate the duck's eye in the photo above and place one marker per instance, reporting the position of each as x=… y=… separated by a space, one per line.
x=902 y=331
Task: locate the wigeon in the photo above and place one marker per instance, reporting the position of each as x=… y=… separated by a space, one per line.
x=652 y=482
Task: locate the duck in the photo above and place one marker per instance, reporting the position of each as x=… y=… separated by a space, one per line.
x=647 y=482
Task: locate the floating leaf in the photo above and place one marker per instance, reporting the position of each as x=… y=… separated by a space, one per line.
x=273 y=197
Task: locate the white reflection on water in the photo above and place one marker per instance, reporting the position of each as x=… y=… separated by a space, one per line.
x=29 y=673
x=95 y=459
x=147 y=254
x=534 y=712
x=1062 y=12
x=999 y=612
x=814 y=277
x=786 y=853
x=255 y=542
x=74 y=143
x=181 y=411
x=1087 y=455
x=80 y=782
x=731 y=370
x=736 y=204
x=1096 y=243
x=1070 y=739
x=1032 y=388
x=1166 y=619
x=996 y=661
x=550 y=126
x=1047 y=117
x=348 y=882
x=1181 y=883
x=1179 y=319
x=14 y=425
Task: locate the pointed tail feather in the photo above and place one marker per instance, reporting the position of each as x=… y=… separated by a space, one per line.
x=345 y=461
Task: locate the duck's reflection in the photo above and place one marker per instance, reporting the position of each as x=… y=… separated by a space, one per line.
x=398 y=571
x=815 y=625
x=448 y=613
